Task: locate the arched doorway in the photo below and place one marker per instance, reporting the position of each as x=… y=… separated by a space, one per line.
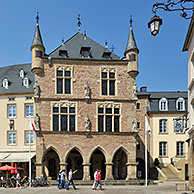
x=97 y=161
x=119 y=165
x=74 y=161
x=140 y=168
x=51 y=164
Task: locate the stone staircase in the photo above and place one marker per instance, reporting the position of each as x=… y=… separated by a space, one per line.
x=169 y=174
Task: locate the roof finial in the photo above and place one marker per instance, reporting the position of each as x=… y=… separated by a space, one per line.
x=62 y=40
x=112 y=48
x=37 y=18
x=84 y=34
x=131 y=21
x=79 y=22
x=106 y=44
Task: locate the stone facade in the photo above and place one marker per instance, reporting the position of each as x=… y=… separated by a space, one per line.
x=114 y=152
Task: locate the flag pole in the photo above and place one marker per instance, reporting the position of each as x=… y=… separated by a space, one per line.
x=146 y=156
x=30 y=172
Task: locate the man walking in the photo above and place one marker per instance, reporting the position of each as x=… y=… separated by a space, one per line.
x=62 y=182
x=95 y=177
x=70 y=179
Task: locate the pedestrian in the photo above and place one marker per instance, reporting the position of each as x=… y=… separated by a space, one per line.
x=62 y=180
x=99 y=180
x=58 y=179
x=70 y=178
x=18 y=180
x=95 y=177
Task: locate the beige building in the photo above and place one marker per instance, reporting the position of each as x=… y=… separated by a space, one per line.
x=86 y=101
x=168 y=146
x=16 y=102
x=189 y=46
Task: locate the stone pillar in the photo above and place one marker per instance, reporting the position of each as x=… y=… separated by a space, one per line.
x=39 y=169
x=131 y=171
x=86 y=171
x=63 y=165
x=109 y=175
x=191 y=162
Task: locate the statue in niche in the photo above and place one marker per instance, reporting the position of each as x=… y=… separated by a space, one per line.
x=87 y=123
x=87 y=91
x=36 y=90
x=37 y=121
x=134 y=95
x=134 y=122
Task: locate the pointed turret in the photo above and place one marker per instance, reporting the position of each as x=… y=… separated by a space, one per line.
x=131 y=53
x=38 y=50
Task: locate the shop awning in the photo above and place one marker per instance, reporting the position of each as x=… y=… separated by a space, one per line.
x=16 y=157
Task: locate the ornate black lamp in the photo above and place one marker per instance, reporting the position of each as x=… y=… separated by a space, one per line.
x=186 y=7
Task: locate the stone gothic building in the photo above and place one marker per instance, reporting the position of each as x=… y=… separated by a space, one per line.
x=85 y=104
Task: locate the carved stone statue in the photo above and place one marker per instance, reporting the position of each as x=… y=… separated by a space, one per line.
x=134 y=122
x=87 y=123
x=134 y=95
x=37 y=121
x=87 y=91
x=36 y=90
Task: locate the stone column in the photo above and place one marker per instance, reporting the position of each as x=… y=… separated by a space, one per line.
x=63 y=165
x=131 y=171
x=109 y=175
x=86 y=171
x=39 y=169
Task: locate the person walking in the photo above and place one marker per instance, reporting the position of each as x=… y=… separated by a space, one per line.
x=59 y=179
x=99 y=180
x=62 y=181
x=18 y=180
x=95 y=181
x=70 y=178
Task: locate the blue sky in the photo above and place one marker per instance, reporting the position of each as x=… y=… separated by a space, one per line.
x=162 y=64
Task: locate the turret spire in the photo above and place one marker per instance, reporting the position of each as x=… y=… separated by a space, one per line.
x=131 y=44
x=37 y=40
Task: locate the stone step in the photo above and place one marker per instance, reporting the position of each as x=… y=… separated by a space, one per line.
x=170 y=175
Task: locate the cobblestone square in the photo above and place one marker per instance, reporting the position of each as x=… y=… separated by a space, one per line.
x=161 y=188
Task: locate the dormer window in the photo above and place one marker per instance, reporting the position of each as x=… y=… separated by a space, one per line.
x=26 y=82
x=22 y=73
x=63 y=53
x=180 y=104
x=85 y=52
x=107 y=55
x=163 y=104
x=5 y=83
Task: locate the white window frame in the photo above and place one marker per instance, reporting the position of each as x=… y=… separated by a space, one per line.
x=180 y=100
x=11 y=108
x=22 y=73
x=5 y=83
x=180 y=148
x=163 y=148
x=31 y=110
x=27 y=137
x=26 y=82
x=163 y=104
x=162 y=123
x=11 y=138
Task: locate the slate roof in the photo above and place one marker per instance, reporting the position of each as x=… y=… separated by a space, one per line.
x=37 y=40
x=171 y=97
x=131 y=43
x=75 y=43
x=15 y=81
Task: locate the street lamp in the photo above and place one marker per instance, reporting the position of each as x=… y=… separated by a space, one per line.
x=154 y=25
x=186 y=7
